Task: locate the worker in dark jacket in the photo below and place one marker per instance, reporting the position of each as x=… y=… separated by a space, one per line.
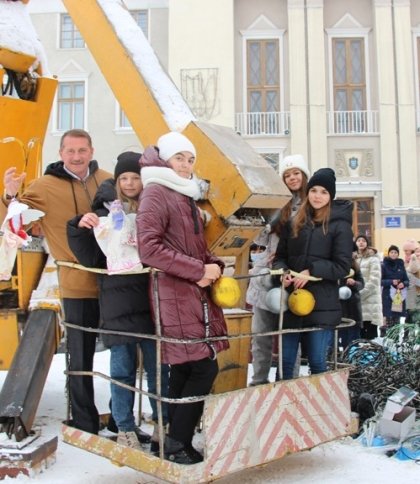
x=171 y=238
x=318 y=242
x=123 y=299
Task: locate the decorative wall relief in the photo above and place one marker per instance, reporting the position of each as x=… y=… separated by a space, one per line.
x=199 y=87
x=354 y=163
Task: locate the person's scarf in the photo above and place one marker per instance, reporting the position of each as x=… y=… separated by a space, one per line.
x=168 y=178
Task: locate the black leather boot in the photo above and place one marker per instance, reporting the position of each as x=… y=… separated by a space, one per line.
x=143 y=437
x=179 y=453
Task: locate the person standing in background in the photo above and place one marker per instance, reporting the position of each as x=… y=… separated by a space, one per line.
x=413 y=293
x=409 y=248
x=370 y=296
x=256 y=253
x=394 y=281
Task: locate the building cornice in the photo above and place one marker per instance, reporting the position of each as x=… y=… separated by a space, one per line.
x=358 y=186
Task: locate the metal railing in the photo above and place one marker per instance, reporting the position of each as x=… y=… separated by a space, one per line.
x=352 y=122
x=277 y=123
x=159 y=338
x=274 y=123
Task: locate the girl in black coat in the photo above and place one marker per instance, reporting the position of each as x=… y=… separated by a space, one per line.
x=123 y=299
x=318 y=242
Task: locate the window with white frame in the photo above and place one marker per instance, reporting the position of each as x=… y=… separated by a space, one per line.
x=123 y=121
x=350 y=110
x=70 y=105
x=349 y=84
x=263 y=86
x=70 y=37
x=263 y=80
x=263 y=83
x=142 y=19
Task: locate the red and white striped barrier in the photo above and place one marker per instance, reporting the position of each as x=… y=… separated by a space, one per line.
x=246 y=428
x=256 y=425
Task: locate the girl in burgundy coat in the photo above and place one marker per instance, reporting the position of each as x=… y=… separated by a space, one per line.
x=171 y=239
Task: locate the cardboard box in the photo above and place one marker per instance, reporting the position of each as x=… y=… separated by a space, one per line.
x=398 y=418
x=400 y=425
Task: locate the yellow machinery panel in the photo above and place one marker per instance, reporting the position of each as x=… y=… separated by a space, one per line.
x=9 y=330
x=16 y=61
x=23 y=124
x=239 y=177
x=22 y=129
x=29 y=267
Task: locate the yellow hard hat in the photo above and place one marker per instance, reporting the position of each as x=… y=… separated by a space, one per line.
x=301 y=302
x=226 y=292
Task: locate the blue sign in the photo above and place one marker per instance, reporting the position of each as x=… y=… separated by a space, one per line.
x=393 y=222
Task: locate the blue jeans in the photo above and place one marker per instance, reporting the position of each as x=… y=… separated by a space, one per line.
x=123 y=368
x=316 y=344
x=148 y=348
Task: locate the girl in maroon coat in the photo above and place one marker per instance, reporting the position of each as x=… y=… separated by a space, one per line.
x=171 y=239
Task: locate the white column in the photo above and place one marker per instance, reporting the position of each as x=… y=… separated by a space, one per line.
x=406 y=103
x=390 y=173
x=317 y=84
x=297 y=77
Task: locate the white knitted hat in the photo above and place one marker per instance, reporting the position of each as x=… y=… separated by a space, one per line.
x=173 y=142
x=293 y=161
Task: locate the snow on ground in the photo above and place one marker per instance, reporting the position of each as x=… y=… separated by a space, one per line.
x=344 y=461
